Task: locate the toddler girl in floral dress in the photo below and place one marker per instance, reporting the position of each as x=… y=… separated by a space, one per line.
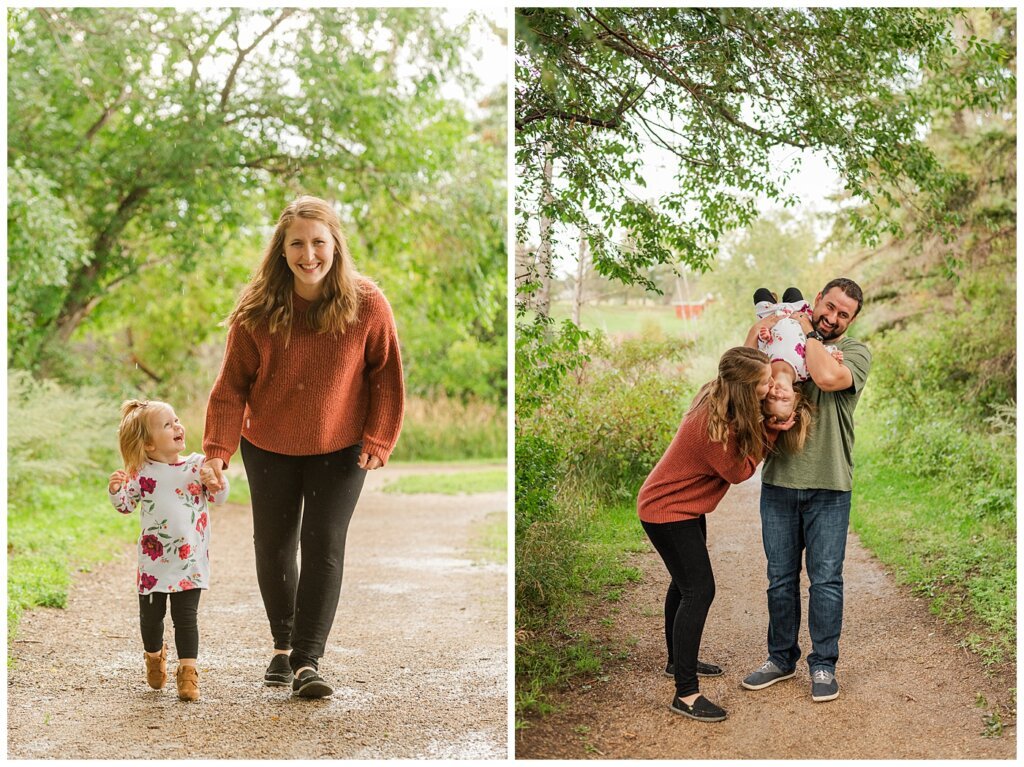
x=785 y=344
x=174 y=557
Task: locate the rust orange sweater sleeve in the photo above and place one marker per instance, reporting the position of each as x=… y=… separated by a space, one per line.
x=384 y=375
x=226 y=406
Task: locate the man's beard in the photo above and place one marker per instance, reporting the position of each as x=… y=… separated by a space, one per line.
x=833 y=334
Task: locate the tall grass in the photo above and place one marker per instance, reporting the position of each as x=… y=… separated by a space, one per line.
x=446 y=429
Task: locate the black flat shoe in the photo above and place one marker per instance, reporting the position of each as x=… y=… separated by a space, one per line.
x=279 y=673
x=703 y=669
x=309 y=684
x=702 y=710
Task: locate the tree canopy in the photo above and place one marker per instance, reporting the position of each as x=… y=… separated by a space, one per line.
x=721 y=89
x=150 y=149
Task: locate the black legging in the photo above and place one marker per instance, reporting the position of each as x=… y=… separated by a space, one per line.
x=184 y=615
x=301 y=500
x=683 y=547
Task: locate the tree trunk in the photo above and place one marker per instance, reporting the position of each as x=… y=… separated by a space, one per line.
x=83 y=294
x=542 y=302
x=581 y=276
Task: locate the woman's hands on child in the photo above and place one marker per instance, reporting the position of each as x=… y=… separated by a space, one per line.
x=369 y=462
x=212 y=475
x=117 y=479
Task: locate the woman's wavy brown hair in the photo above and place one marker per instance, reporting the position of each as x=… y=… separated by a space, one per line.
x=268 y=296
x=731 y=401
x=793 y=440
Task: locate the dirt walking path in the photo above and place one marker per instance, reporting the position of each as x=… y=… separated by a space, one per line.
x=906 y=690
x=417 y=653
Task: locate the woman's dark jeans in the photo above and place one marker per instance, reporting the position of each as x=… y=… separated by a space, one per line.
x=301 y=501
x=683 y=548
x=184 y=615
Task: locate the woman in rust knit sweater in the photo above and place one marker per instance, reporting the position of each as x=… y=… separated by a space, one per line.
x=720 y=442
x=311 y=385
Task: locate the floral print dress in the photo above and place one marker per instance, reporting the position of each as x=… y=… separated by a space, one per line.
x=174 y=546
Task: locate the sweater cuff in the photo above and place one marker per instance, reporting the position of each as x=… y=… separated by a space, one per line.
x=223 y=455
x=379 y=449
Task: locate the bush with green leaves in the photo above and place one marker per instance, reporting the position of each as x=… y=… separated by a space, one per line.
x=613 y=417
x=54 y=433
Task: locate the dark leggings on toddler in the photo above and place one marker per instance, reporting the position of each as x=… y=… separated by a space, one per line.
x=184 y=615
x=302 y=501
x=683 y=547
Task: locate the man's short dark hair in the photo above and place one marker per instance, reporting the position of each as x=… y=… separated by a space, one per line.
x=849 y=287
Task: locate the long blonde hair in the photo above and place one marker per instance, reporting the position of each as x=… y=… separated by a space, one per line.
x=794 y=439
x=268 y=296
x=133 y=434
x=731 y=401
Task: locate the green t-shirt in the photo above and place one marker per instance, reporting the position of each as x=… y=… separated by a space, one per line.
x=826 y=462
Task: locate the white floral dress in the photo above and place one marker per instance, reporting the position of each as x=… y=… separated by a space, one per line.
x=174 y=545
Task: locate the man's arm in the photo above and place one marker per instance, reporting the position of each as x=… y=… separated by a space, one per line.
x=826 y=373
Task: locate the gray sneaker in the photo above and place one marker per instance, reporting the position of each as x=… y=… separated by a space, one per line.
x=824 y=685
x=767 y=675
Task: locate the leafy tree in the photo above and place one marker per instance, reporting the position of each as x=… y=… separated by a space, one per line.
x=720 y=89
x=167 y=141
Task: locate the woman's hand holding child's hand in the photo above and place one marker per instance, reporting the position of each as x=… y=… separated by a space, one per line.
x=212 y=475
x=117 y=479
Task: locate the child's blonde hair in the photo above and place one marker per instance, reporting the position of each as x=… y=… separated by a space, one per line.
x=133 y=434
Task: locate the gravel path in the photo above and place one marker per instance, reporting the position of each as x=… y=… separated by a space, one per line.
x=418 y=652
x=907 y=691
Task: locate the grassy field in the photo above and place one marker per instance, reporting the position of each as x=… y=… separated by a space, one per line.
x=963 y=563
x=548 y=656
x=486 y=481
x=616 y=319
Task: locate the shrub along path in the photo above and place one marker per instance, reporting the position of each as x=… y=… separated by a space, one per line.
x=417 y=654
x=906 y=690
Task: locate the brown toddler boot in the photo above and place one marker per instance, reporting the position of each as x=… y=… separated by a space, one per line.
x=188 y=683
x=156 y=669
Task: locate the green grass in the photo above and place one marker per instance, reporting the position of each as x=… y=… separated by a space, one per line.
x=238 y=491
x=66 y=527
x=547 y=658
x=616 y=319
x=449 y=430
x=962 y=562
x=490 y=539
x=487 y=481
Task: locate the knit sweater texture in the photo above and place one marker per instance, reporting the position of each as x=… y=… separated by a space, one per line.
x=320 y=393
x=694 y=474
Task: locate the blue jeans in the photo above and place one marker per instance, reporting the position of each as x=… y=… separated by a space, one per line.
x=792 y=522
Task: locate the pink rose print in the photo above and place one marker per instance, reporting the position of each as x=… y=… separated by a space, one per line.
x=152 y=547
x=800 y=349
x=184 y=551
x=201 y=523
x=147 y=484
x=185 y=584
x=146 y=582
x=195 y=490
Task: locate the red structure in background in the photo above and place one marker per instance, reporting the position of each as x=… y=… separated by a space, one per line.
x=689 y=311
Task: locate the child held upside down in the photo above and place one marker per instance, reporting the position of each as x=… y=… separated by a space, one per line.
x=785 y=344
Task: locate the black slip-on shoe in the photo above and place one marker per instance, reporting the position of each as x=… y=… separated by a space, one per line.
x=702 y=709
x=309 y=684
x=279 y=673
x=703 y=669
x=763 y=294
